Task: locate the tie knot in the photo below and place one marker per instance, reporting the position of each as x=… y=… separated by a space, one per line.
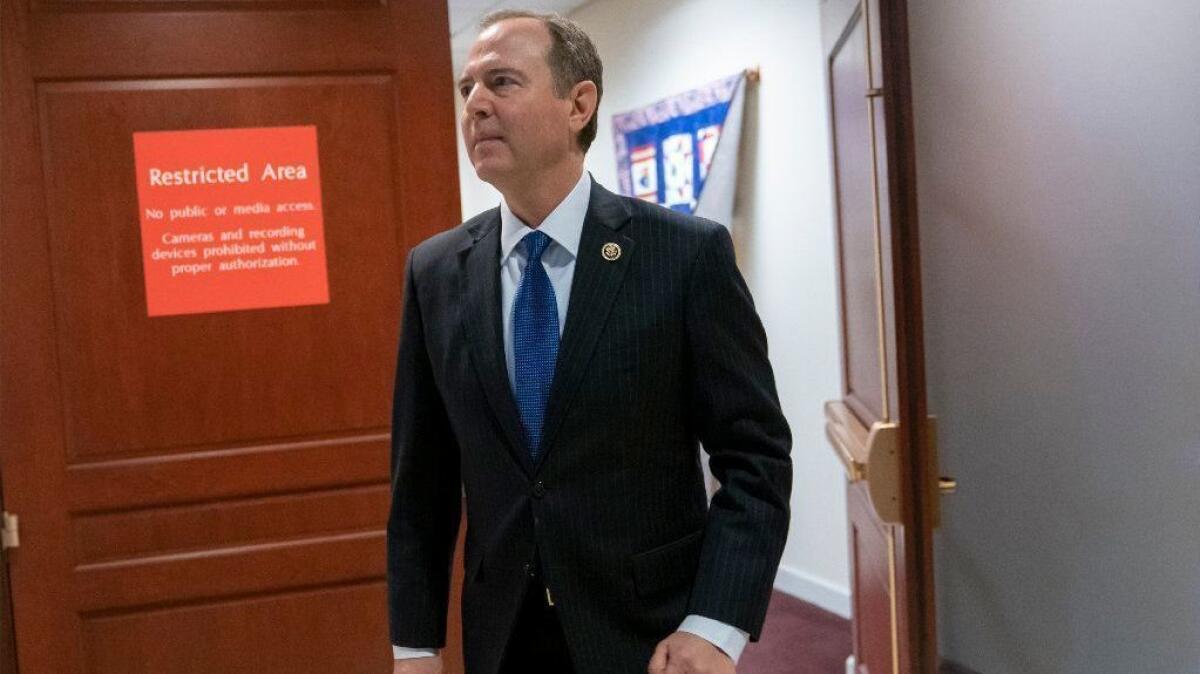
x=535 y=245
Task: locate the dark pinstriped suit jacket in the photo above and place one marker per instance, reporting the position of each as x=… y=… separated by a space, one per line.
x=661 y=349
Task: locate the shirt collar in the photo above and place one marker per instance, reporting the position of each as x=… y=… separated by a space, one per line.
x=564 y=225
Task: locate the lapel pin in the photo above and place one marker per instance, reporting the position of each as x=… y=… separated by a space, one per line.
x=611 y=252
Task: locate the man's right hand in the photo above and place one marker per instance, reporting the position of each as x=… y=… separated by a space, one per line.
x=428 y=665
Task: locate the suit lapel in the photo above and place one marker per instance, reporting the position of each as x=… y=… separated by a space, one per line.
x=593 y=290
x=484 y=329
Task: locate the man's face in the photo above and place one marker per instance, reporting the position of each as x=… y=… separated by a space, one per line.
x=513 y=124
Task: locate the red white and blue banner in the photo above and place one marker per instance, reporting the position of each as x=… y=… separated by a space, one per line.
x=681 y=152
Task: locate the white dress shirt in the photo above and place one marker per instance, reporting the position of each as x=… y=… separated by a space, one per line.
x=564 y=226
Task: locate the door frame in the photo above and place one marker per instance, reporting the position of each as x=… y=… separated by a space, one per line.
x=8 y=635
x=919 y=482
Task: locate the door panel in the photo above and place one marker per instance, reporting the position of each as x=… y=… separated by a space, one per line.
x=207 y=492
x=878 y=428
x=858 y=259
x=168 y=378
x=248 y=630
x=872 y=587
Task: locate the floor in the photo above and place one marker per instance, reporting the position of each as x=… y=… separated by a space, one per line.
x=798 y=638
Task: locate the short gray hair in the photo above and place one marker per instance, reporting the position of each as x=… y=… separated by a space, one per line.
x=572 y=59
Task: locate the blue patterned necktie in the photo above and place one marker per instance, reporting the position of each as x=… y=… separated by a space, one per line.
x=535 y=340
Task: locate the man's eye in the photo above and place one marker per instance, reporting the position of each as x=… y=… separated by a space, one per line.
x=464 y=90
x=502 y=81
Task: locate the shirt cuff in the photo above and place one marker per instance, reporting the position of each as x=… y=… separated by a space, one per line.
x=404 y=653
x=731 y=640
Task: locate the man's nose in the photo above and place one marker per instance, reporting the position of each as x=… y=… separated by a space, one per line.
x=478 y=103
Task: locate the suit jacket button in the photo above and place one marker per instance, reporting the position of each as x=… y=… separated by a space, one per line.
x=539 y=489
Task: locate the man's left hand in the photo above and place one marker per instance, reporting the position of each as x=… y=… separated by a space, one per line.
x=686 y=653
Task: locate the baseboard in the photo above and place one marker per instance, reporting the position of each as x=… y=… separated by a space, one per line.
x=947 y=667
x=816 y=591
x=951 y=667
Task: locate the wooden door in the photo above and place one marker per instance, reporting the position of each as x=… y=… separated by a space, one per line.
x=878 y=428
x=206 y=492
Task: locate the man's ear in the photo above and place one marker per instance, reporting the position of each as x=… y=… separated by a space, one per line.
x=583 y=104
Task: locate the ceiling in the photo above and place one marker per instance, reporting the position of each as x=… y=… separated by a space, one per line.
x=466 y=14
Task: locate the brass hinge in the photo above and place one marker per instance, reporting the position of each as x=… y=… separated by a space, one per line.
x=10 y=536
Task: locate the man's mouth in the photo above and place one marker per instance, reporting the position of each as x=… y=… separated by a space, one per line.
x=484 y=139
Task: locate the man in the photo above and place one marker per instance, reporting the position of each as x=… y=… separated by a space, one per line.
x=561 y=358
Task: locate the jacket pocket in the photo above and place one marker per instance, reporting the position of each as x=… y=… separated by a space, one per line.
x=668 y=565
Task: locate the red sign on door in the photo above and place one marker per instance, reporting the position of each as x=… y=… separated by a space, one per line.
x=231 y=219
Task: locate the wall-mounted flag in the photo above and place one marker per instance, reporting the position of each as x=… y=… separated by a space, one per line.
x=681 y=152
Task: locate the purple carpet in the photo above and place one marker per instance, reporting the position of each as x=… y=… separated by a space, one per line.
x=799 y=638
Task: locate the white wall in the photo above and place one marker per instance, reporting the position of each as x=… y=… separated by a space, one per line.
x=1058 y=153
x=782 y=222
